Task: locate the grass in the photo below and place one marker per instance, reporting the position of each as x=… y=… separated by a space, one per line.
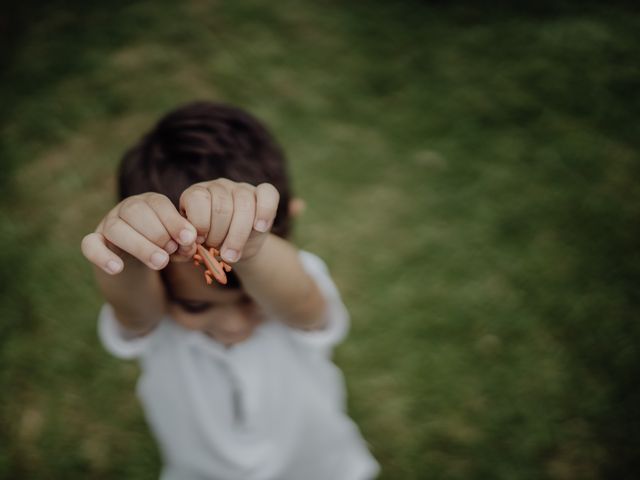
x=471 y=179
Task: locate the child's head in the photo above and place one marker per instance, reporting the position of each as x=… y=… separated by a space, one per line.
x=199 y=142
x=203 y=141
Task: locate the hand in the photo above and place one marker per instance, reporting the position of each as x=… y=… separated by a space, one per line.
x=146 y=226
x=233 y=217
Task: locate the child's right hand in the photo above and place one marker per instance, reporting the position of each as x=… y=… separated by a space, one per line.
x=146 y=226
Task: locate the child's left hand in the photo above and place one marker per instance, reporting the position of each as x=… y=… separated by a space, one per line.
x=230 y=216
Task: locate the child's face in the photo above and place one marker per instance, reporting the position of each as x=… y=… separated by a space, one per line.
x=227 y=315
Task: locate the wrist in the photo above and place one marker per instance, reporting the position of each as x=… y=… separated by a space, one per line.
x=253 y=256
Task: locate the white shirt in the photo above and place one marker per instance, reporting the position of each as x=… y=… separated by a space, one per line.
x=269 y=408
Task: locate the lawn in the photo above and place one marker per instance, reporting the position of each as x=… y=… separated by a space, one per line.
x=472 y=180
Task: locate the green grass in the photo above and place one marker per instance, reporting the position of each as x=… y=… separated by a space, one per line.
x=471 y=178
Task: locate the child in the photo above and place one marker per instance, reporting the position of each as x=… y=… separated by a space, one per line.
x=237 y=381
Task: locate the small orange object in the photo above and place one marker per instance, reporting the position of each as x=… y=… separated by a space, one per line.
x=213 y=267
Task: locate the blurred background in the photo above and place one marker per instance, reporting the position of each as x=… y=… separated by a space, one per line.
x=472 y=180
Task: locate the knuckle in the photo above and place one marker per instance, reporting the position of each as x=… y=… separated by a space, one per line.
x=158 y=201
x=86 y=244
x=194 y=202
x=196 y=193
x=244 y=200
x=222 y=209
x=224 y=182
x=222 y=203
x=131 y=208
x=269 y=188
x=269 y=196
x=109 y=225
x=86 y=239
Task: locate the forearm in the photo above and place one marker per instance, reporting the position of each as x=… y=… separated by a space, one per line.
x=136 y=294
x=276 y=280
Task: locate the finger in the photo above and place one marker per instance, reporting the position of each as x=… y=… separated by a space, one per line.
x=123 y=236
x=267 y=198
x=195 y=203
x=138 y=213
x=184 y=254
x=178 y=227
x=94 y=248
x=221 y=214
x=112 y=215
x=244 y=206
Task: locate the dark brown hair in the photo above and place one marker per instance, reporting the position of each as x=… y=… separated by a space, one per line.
x=203 y=141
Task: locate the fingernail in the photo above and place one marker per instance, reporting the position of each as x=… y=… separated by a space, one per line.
x=230 y=255
x=261 y=226
x=114 y=266
x=171 y=247
x=158 y=259
x=200 y=239
x=186 y=236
